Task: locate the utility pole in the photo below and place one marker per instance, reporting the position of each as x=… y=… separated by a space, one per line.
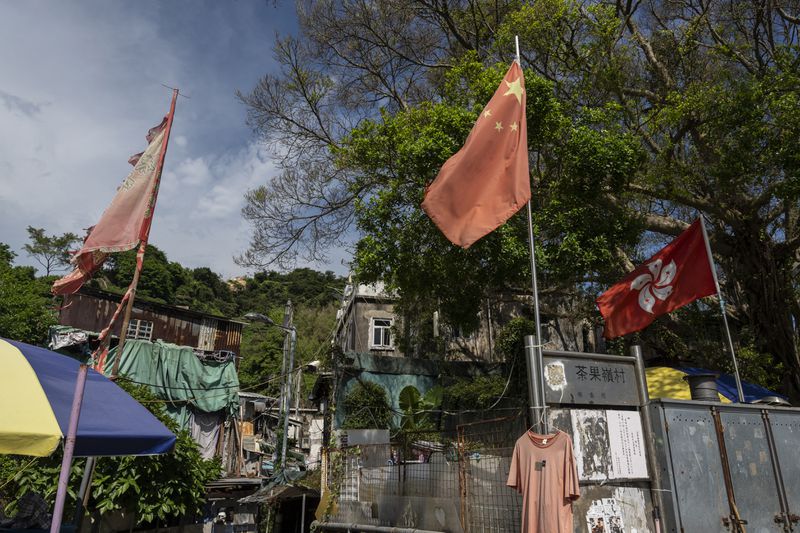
x=292 y=341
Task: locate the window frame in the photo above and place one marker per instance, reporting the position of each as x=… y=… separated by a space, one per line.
x=139 y=329
x=386 y=329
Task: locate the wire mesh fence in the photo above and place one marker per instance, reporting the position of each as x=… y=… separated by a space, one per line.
x=443 y=481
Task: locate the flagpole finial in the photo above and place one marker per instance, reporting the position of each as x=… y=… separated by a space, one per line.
x=516 y=41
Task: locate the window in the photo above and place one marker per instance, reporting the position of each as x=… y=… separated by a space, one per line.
x=381 y=334
x=140 y=329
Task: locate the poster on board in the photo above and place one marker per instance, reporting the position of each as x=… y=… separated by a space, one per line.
x=628 y=460
x=590 y=444
x=605 y=516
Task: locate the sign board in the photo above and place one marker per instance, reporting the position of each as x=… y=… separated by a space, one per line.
x=570 y=380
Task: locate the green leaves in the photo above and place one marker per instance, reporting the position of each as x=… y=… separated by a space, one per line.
x=25 y=308
x=419 y=412
x=50 y=251
x=367 y=406
x=161 y=487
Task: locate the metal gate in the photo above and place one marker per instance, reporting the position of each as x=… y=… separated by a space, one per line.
x=731 y=467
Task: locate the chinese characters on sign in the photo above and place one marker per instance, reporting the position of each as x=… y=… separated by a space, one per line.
x=603 y=374
x=588 y=381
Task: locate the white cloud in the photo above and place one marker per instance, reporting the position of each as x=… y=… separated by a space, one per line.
x=198 y=219
x=192 y=172
x=78 y=94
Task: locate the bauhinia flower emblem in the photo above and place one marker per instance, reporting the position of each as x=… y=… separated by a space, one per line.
x=655 y=284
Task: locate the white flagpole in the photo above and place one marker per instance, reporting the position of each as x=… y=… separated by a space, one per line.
x=534 y=360
x=532 y=246
x=722 y=311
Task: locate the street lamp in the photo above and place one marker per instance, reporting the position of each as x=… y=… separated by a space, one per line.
x=258 y=317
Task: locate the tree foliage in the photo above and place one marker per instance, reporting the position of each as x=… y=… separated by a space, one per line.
x=50 y=251
x=25 y=309
x=366 y=406
x=419 y=411
x=157 y=488
x=641 y=117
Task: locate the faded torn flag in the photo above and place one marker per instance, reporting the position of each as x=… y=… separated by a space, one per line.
x=126 y=221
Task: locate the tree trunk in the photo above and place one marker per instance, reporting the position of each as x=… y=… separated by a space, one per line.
x=764 y=297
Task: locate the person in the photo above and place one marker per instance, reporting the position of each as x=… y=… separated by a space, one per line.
x=220 y=518
x=616 y=526
x=31 y=513
x=600 y=527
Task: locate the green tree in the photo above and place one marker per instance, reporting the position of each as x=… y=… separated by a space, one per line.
x=366 y=406
x=7 y=255
x=50 y=251
x=160 y=488
x=25 y=309
x=420 y=412
x=156 y=280
x=262 y=359
x=267 y=290
x=642 y=116
x=262 y=349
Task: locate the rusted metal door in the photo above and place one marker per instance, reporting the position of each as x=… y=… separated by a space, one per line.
x=696 y=468
x=751 y=469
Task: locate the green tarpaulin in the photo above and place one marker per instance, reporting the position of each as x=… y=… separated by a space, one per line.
x=177 y=376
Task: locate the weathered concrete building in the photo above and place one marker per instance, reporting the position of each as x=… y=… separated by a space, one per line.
x=367 y=322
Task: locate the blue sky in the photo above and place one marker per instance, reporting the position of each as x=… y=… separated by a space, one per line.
x=80 y=84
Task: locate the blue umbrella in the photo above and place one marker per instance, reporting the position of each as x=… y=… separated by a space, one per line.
x=37 y=389
x=46 y=396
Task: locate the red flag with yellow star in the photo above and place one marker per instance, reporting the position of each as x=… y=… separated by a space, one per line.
x=488 y=180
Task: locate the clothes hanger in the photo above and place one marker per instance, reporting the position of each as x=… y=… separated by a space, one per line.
x=540 y=420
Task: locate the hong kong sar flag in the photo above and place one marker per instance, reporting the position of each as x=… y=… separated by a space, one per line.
x=678 y=274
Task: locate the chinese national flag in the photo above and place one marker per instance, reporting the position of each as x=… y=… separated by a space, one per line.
x=678 y=274
x=126 y=221
x=487 y=181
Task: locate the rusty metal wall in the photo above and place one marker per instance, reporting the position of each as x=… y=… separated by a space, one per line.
x=785 y=427
x=729 y=463
x=93 y=313
x=691 y=452
x=754 y=482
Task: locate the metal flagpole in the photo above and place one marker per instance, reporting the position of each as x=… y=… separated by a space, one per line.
x=123 y=333
x=533 y=350
x=722 y=311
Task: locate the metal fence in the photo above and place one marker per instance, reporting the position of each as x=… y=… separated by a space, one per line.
x=487 y=504
x=443 y=481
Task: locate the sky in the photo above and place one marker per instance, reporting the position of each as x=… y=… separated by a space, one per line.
x=80 y=85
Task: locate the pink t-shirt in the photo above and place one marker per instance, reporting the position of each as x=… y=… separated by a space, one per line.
x=543 y=470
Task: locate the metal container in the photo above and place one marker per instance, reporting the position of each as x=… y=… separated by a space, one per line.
x=703 y=387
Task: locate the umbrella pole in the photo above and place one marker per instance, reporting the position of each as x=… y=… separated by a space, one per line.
x=84 y=492
x=69 y=448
